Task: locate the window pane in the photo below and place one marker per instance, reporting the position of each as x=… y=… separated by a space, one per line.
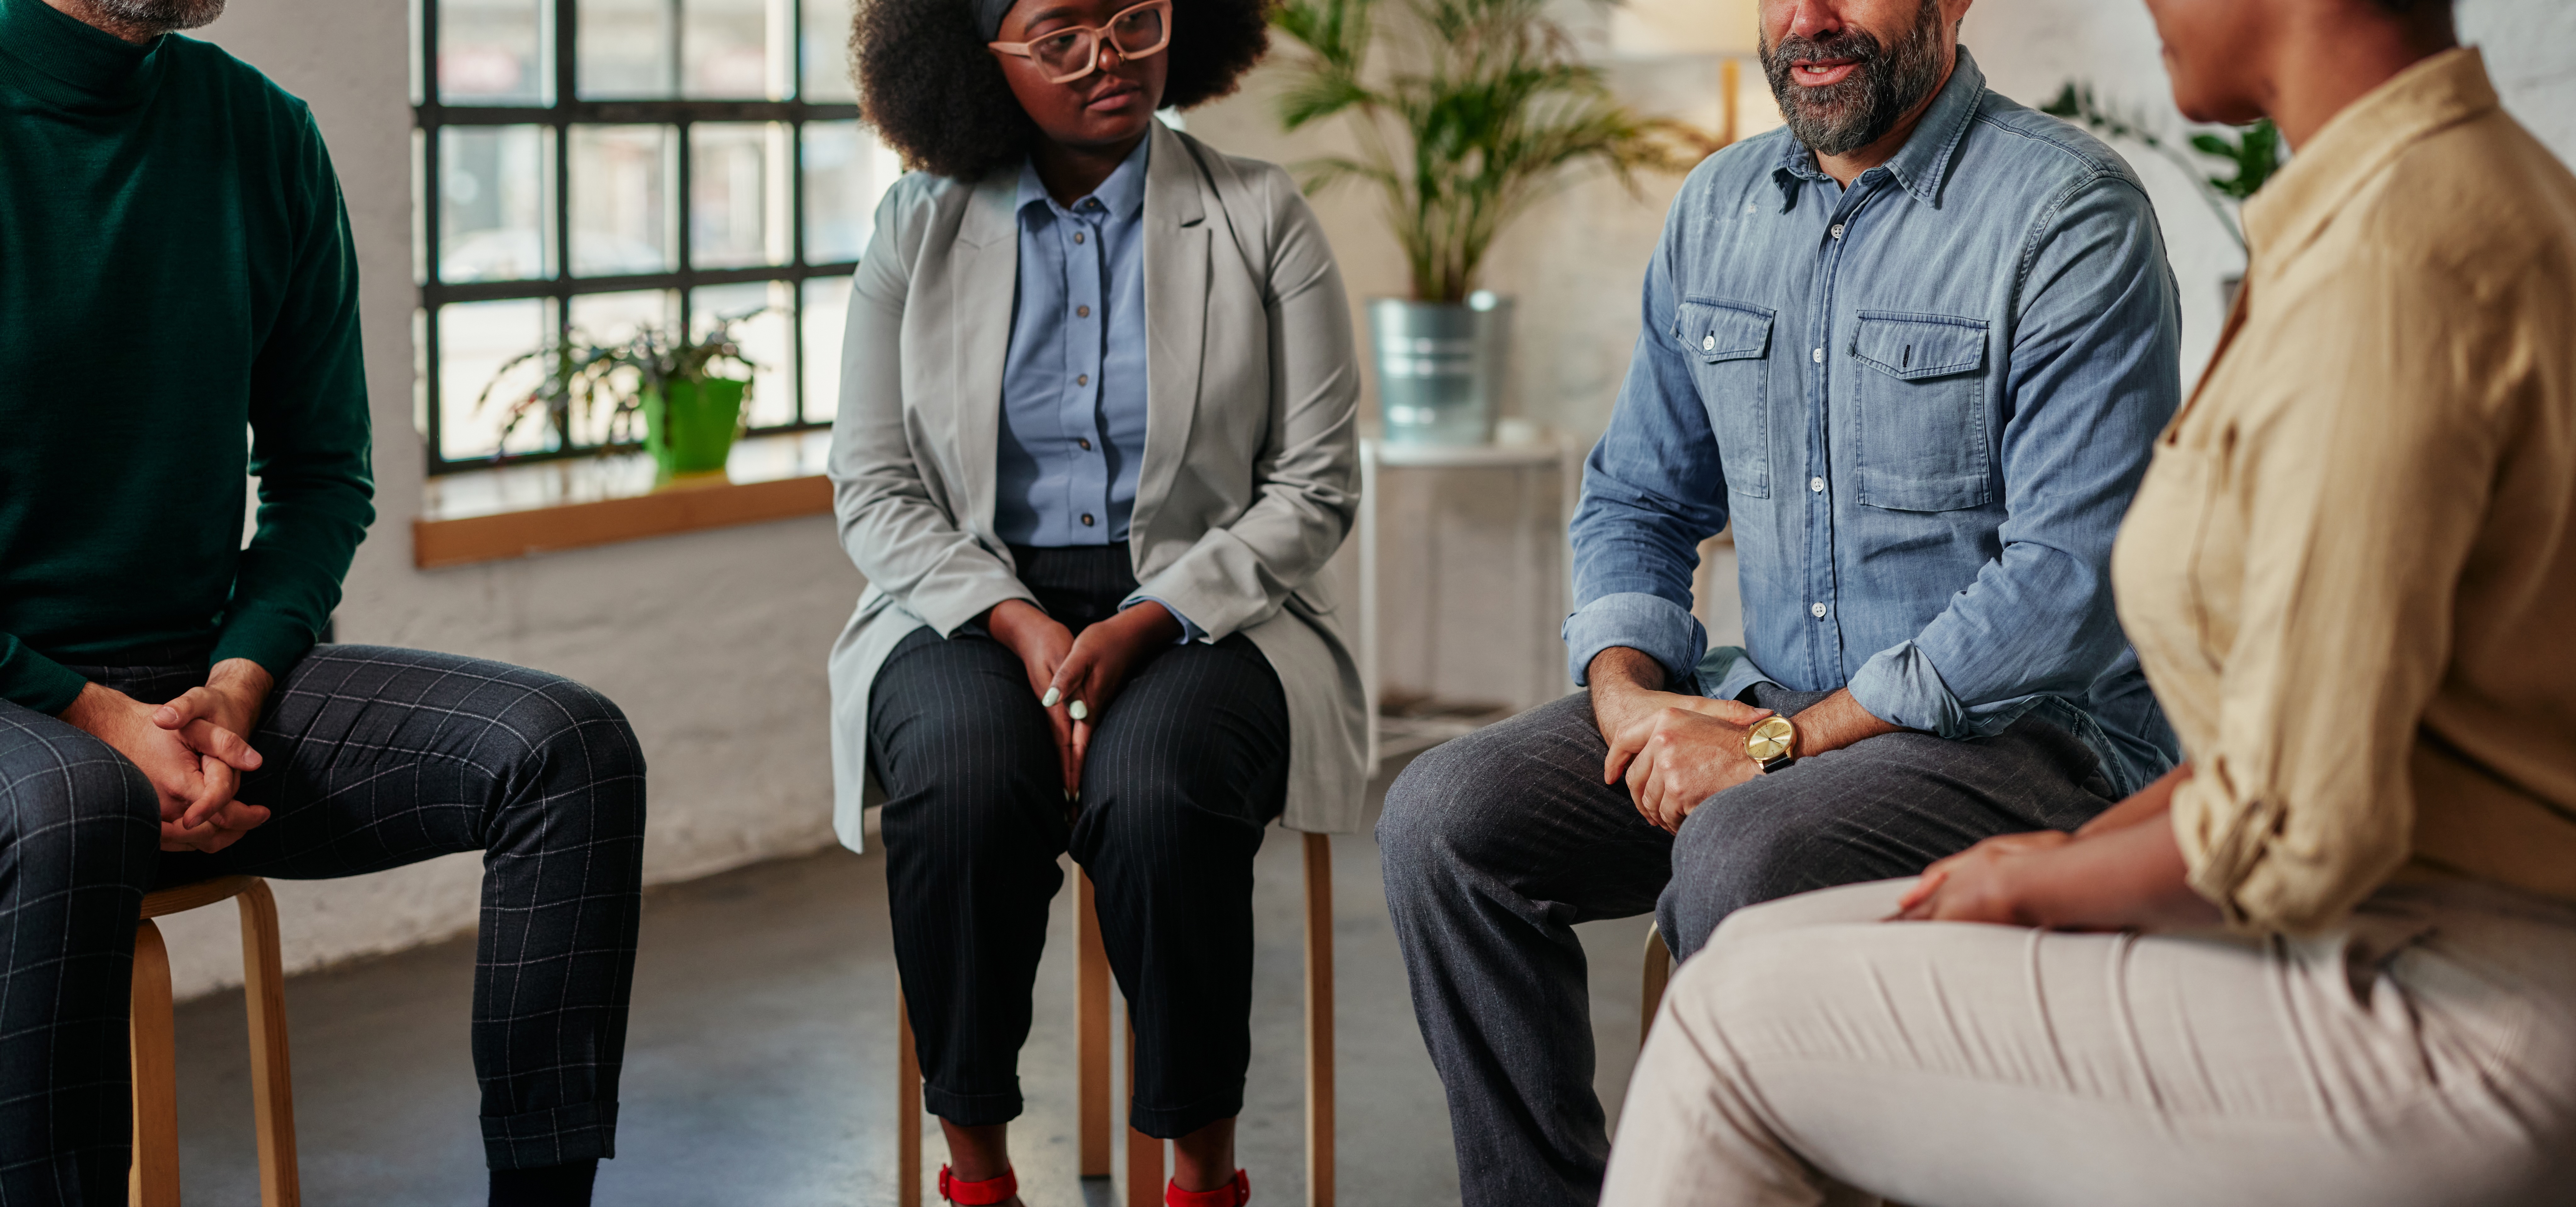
x=474 y=340
x=732 y=49
x=493 y=52
x=738 y=194
x=626 y=48
x=763 y=338
x=827 y=52
x=614 y=318
x=621 y=213
x=846 y=171
x=827 y=309
x=494 y=210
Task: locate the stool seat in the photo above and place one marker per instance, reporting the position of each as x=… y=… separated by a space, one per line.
x=153 y=1180
x=179 y=899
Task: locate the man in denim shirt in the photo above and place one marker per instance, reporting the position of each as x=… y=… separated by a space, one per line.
x=1915 y=347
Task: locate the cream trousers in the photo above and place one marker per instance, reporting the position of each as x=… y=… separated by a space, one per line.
x=2422 y=1053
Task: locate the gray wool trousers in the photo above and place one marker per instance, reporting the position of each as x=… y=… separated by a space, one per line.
x=1497 y=843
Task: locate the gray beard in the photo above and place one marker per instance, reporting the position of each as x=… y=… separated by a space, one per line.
x=160 y=16
x=1844 y=117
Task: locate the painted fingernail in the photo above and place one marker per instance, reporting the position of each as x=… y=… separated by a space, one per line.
x=1051 y=697
x=1079 y=711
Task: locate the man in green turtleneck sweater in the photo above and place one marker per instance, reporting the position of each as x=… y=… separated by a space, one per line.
x=179 y=308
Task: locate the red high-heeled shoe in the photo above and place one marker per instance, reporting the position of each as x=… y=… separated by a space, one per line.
x=991 y=1192
x=1233 y=1194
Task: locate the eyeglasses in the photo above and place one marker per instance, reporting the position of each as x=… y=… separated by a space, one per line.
x=1070 y=54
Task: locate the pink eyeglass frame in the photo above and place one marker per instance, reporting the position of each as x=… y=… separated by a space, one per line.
x=1099 y=38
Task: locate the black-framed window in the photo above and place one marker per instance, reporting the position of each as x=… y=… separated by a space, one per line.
x=596 y=164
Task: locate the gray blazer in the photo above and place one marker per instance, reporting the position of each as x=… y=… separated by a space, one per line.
x=1250 y=479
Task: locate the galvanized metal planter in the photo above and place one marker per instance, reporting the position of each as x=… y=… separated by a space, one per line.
x=1440 y=367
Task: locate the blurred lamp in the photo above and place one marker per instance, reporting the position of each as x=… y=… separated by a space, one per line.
x=1728 y=29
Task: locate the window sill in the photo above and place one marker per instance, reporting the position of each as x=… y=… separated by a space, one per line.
x=514 y=511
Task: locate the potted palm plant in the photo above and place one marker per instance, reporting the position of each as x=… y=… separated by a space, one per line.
x=1466 y=112
x=675 y=386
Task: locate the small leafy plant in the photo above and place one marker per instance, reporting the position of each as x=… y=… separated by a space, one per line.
x=583 y=375
x=2254 y=153
x=1486 y=105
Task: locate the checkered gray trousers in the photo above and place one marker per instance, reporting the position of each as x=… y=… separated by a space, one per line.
x=375 y=757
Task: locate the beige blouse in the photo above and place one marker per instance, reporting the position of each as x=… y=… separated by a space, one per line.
x=2351 y=570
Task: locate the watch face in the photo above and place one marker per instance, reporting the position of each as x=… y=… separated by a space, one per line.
x=1770 y=739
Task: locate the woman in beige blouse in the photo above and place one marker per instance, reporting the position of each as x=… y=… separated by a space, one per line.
x=2332 y=959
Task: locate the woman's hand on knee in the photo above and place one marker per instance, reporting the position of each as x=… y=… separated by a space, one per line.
x=1042 y=644
x=1101 y=660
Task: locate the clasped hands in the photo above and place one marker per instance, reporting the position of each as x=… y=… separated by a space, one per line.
x=193 y=750
x=1076 y=678
x=1674 y=751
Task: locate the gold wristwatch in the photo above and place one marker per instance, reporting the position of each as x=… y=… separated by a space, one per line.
x=1773 y=744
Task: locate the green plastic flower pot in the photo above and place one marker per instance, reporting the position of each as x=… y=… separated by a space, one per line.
x=692 y=429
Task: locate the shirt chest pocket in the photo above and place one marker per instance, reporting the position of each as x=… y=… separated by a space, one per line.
x=1728 y=345
x=1921 y=416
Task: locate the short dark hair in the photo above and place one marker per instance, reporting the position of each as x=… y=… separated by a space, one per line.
x=937 y=96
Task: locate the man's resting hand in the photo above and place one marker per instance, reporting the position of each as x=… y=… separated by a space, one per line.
x=191 y=749
x=1674 y=750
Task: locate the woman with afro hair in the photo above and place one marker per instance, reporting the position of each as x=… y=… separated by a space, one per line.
x=1095 y=445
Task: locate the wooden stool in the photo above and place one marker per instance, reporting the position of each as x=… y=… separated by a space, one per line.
x=1659 y=973
x=1145 y=1154
x=154 y=1181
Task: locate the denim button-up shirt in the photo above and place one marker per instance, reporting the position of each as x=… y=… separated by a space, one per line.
x=1073 y=383
x=1923 y=401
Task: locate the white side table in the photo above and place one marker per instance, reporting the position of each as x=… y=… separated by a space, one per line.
x=1539 y=481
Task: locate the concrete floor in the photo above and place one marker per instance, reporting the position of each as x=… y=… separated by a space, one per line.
x=760 y=1058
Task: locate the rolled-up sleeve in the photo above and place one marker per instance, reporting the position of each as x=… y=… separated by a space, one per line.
x=2095 y=374
x=2353 y=497
x=1653 y=490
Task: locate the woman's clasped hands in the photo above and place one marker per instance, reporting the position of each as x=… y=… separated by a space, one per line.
x=1077 y=677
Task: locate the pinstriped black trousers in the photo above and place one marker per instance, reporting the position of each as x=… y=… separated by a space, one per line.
x=375 y=757
x=1184 y=771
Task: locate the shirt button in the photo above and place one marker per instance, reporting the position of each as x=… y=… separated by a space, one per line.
x=1086 y=522
x=1817 y=356
x=1818 y=609
x=1082 y=379
x=1838 y=230
x=1082 y=312
x=1084 y=441
x=1817 y=485
x=1708 y=343
x=1077 y=236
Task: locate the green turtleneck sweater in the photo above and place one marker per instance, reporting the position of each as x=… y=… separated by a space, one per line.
x=178 y=308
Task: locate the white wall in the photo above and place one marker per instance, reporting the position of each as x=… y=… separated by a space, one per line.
x=713 y=642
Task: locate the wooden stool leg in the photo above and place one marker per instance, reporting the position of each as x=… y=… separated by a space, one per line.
x=1658 y=973
x=1144 y=1153
x=271 y=1086
x=1091 y=1029
x=154 y=1178
x=907 y=1109
x=1319 y=1020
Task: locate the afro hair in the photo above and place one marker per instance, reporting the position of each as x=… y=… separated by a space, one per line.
x=937 y=96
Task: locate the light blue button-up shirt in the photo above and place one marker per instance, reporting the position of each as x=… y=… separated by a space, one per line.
x=1923 y=401
x=1073 y=386
x=1073 y=382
